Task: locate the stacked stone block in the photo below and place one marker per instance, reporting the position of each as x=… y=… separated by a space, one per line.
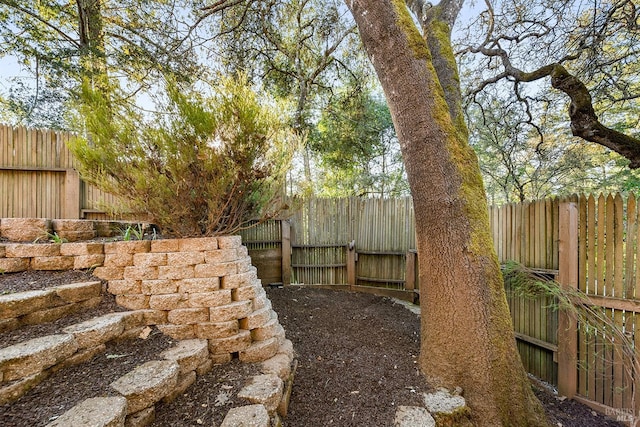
x=270 y=392
x=46 y=305
x=24 y=229
x=202 y=288
x=206 y=288
x=71 y=230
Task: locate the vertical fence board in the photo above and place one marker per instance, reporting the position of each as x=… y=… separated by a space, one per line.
x=618 y=317
x=582 y=286
x=607 y=356
x=600 y=257
x=630 y=255
x=568 y=278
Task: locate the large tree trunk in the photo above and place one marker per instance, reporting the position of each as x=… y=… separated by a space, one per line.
x=467 y=335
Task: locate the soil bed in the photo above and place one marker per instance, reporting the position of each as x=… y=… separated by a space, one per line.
x=357 y=356
x=39 y=279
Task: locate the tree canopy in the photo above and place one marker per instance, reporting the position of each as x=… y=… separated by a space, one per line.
x=58 y=45
x=307 y=51
x=588 y=52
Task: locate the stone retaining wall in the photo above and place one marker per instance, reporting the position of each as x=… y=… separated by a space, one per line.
x=203 y=288
x=47 y=305
x=71 y=230
x=206 y=288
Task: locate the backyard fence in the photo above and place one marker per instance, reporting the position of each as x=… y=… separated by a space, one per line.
x=38 y=177
x=365 y=244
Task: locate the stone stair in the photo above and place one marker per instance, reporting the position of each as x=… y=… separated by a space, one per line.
x=39 y=306
x=136 y=394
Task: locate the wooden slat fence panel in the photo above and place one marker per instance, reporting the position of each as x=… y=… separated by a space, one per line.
x=609 y=237
x=320 y=232
x=527 y=233
x=382 y=230
x=384 y=233
x=32 y=164
x=264 y=243
x=33 y=167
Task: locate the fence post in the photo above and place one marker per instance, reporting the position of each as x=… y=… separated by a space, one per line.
x=351 y=264
x=286 y=251
x=71 y=207
x=568 y=278
x=410 y=271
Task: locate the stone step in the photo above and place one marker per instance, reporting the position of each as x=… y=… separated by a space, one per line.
x=24 y=365
x=413 y=416
x=95 y=412
x=46 y=305
x=154 y=381
x=30 y=357
x=97 y=331
x=441 y=408
x=147 y=384
x=249 y=416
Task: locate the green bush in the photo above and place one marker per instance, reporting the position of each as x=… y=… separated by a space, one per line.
x=202 y=166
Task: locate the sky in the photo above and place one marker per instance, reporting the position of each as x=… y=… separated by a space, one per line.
x=9 y=68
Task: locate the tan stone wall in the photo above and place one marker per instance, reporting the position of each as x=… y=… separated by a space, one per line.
x=203 y=288
x=71 y=230
x=204 y=291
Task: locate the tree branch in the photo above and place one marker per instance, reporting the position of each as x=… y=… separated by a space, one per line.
x=584 y=121
x=14 y=5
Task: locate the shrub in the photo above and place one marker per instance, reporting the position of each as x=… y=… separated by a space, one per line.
x=202 y=166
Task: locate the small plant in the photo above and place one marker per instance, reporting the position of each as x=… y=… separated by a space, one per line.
x=133 y=232
x=54 y=238
x=51 y=238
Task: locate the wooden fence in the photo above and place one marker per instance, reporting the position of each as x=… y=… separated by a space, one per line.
x=591 y=244
x=368 y=244
x=608 y=254
x=528 y=233
x=38 y=177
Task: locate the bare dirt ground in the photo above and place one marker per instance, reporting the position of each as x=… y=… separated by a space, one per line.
x=357 y=357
